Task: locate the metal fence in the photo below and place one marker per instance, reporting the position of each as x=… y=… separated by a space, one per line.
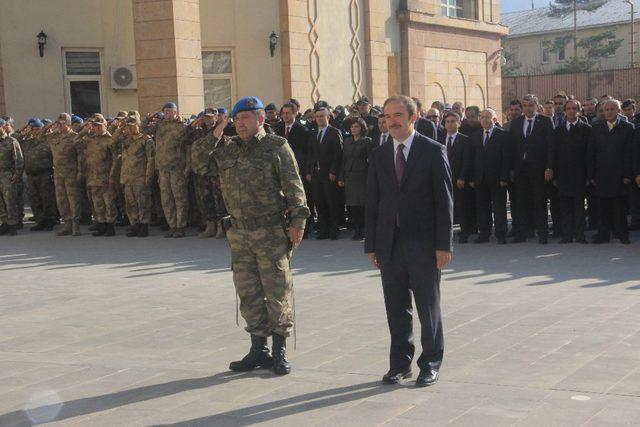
x=621 y=84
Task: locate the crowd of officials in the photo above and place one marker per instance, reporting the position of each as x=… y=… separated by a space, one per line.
x=580 y=161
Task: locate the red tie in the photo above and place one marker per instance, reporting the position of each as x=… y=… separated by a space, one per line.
x=286 y=132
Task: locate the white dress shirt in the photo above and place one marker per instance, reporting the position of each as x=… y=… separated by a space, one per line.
x=407 y=146
x=383 y=138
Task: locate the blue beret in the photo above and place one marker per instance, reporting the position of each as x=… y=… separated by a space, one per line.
x=201 y=114
x=170 y=105
x=109 y=118
x=3 y=122
x=46 y=121
x=249 y=103
x=36 y=123
x=76 y=119
x=222 y=110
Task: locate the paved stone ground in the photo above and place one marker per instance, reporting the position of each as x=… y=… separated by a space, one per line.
x=115 y=332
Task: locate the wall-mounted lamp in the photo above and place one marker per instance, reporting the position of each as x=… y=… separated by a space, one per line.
x=273 y=42
x=42 y=41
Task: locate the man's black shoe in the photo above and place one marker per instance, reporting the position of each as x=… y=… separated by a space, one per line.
x=565 y=240
x=427 y=377
x=258 y=356
x=599 y=240
x=581 y=240
x=481 y=239
x=39 y=226
x=281 y=365
x=394 y=376
x=133 y=232
x=519 y=239
x=462 y=239
x=625 y=240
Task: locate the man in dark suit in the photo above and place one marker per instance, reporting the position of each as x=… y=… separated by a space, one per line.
x=491 y=168
x=424 y=126
x=408 y=233
x=610 y=169
x=298 y=137
x=531 y=139
x=569 y=165
x=382 y=134
x=460 y=156
x=471 y=124
x=323 y=164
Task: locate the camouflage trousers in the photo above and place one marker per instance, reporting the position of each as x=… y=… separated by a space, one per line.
x=20 y=198
x=68 y=197
x=103 y=198
x=205 y=195
x=41 y=195
x=138 y=201
x=8 y=199
x=262 y=276
x=175 y=200
x=85 y=202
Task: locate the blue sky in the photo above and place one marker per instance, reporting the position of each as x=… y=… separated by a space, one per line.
x=513 y=5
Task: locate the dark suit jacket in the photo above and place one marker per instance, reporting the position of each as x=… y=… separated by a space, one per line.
x=491 y=163
x=422 y=205
x=460 y=157
x=299 y=142
x=325 y=156
x=535 y=148
x=610 y=157
x=426 y=128
x=569 y=158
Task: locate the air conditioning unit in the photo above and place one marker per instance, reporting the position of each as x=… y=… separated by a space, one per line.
x=124 y=77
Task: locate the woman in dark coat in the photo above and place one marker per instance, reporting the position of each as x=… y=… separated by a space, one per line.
x=353 y=172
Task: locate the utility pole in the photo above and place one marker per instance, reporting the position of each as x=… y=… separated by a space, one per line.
x=633 y=33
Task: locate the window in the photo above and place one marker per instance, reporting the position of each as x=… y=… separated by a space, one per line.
x=466 y=9
x=219 y=87
x=452 y=8
x=545 y=54
x=83 y=82
x=561 y=53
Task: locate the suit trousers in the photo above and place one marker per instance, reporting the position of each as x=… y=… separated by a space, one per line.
x=326 y=197
x=593 y=211
x=634 y=204
x=464 y=208
x=491 y=205
x=532 y=191
x=573 y=222
x=402 y=276
x=555 y=208
x=613 y=217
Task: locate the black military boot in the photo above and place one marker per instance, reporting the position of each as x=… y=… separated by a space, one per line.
x=4 y=228
x=109 y=229
x=39 y=226
x=133 y=232
x=11 y=230
x=94 y=226
x=258 y=356
x=280 y=363
x=101 y=228
x=144 y=230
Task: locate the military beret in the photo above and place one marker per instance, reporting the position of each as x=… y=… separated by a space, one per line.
x=170 y=105
x=222 y=110
x=36 y=123
x=132 y=121
x=76 y=119
x=3 y=122
x=64 y=118
x=46 y=121
x=249 y=103
x=270 y=107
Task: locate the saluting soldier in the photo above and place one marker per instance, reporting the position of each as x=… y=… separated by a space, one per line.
x=11 y=169
x=262 y=189
x=66 y=173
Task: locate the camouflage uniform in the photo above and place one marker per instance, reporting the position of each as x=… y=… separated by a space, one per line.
x=99 y=154
x=261 y=186
x=136 y=173
x=86 y=208
x=171 y=159
x=11 y=167
x=38 y=165
x=66 y=168
x=201 y=150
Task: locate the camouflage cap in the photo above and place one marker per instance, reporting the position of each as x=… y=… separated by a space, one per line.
x=132 y=121
x=64 y=118
x=363 y=101
x=121 y=115
x=211 y=112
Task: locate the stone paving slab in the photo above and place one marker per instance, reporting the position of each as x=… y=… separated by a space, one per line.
x=104 y=332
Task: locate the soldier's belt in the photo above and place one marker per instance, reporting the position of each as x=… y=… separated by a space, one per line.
x=258 y=222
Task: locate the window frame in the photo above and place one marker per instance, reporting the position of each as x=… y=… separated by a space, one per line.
x=222 y=76
x=68 y=78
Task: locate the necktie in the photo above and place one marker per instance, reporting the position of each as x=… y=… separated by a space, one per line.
x=287 y=129
x=528 y=131
x=383 y=138
x=449 y=144
x=486 y=138
x=571 y=126
x=401 y=162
